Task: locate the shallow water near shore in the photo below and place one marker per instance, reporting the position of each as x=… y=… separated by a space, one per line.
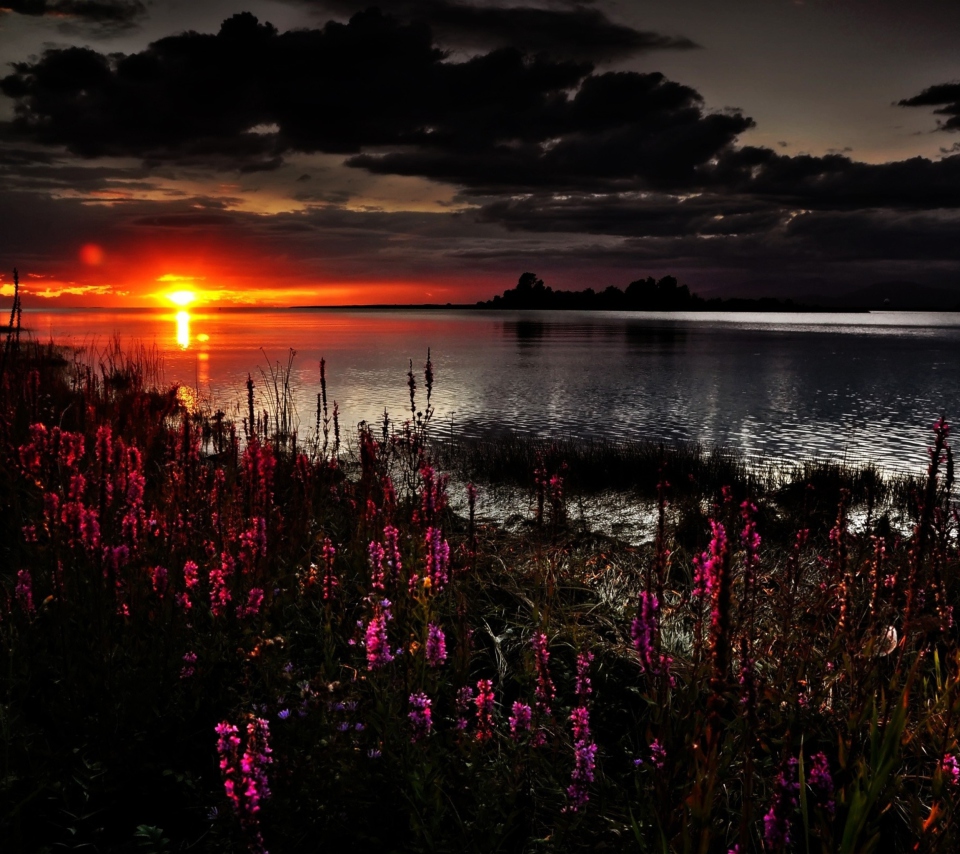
x=850 y=387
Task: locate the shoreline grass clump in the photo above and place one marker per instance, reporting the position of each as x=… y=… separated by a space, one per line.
x=221 y=637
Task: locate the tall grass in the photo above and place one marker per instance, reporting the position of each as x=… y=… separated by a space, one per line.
x=220 y=638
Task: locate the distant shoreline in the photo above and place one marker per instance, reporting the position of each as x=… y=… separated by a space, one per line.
x=796 y=309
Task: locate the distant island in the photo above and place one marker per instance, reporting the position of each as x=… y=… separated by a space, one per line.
x=649 y=294
x=667 y=294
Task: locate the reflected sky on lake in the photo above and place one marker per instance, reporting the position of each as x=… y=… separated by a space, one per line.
x=854 y=386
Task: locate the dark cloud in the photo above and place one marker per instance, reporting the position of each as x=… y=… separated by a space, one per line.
x=946 y=96
x=568 y=29
x=835 y=181
x=635 y=215
x=619 y=128
x=503 y=118
x=111 y=13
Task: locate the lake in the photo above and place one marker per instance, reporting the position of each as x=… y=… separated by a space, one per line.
x=786 y=386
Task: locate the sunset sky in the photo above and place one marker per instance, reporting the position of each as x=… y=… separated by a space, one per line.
x=433 y=150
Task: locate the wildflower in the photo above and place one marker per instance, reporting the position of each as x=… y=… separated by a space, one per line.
x=373 y=753
x=583 y=687
x=580 y=719
x=750 y=540
x=158 y=578
x=283 y=714
x=520 y=719
x=484 y=702
x=220 y=595
x=951 y=769
x=245 y=777
x=643 y=630
x=433 y=499
x=545 y=691
x=436 y=646
x=330 y=582
x=438 y=559
x=391 y=549
x=464 y=700
x=776 y=822
x=658 y=754
x=821 y=782
x=420 y=715
x=188 y=669
x=377 y=642
x=190 y=577
x=24 y=591
x=584 y=760
x=254 y=601
x=375 y=555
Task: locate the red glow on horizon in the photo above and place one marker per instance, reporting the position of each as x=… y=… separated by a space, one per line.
x=143 y=273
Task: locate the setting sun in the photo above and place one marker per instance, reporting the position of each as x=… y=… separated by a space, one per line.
x=182 y=298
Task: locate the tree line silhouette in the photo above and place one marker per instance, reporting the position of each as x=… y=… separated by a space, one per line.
x=649 y=294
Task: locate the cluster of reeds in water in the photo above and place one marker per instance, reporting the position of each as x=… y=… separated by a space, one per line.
x=216 y=637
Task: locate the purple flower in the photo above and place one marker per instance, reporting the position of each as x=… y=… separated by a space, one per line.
x=658 y=754
x=643 y=631
x=583 y=686
x=520 y=719
x=776 y=822
x=464 y=701
x=24 y=591
x=951 y=769
x=391 y=547
x=821 y=782
x=584 y=760
x=188 y=669
x=420 y=714
x=438 y=559
x=436 y=646
x=283 y=714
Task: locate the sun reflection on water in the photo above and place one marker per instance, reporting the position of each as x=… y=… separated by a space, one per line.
x=183 y=329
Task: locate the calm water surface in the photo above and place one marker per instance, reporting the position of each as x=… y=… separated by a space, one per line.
x=840 y=386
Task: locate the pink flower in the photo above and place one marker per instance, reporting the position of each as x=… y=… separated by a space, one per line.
x=391 y=547
x=254 y=601
x=375 y=554
x=485 y=706
x=330 y=582
x=420 y=714
x=158 y=578
x=188 y=669
x=24 y=591
x=436 y=646
x=545 y=691
x=438 y=559
x=376 y=640
x=951 y=769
